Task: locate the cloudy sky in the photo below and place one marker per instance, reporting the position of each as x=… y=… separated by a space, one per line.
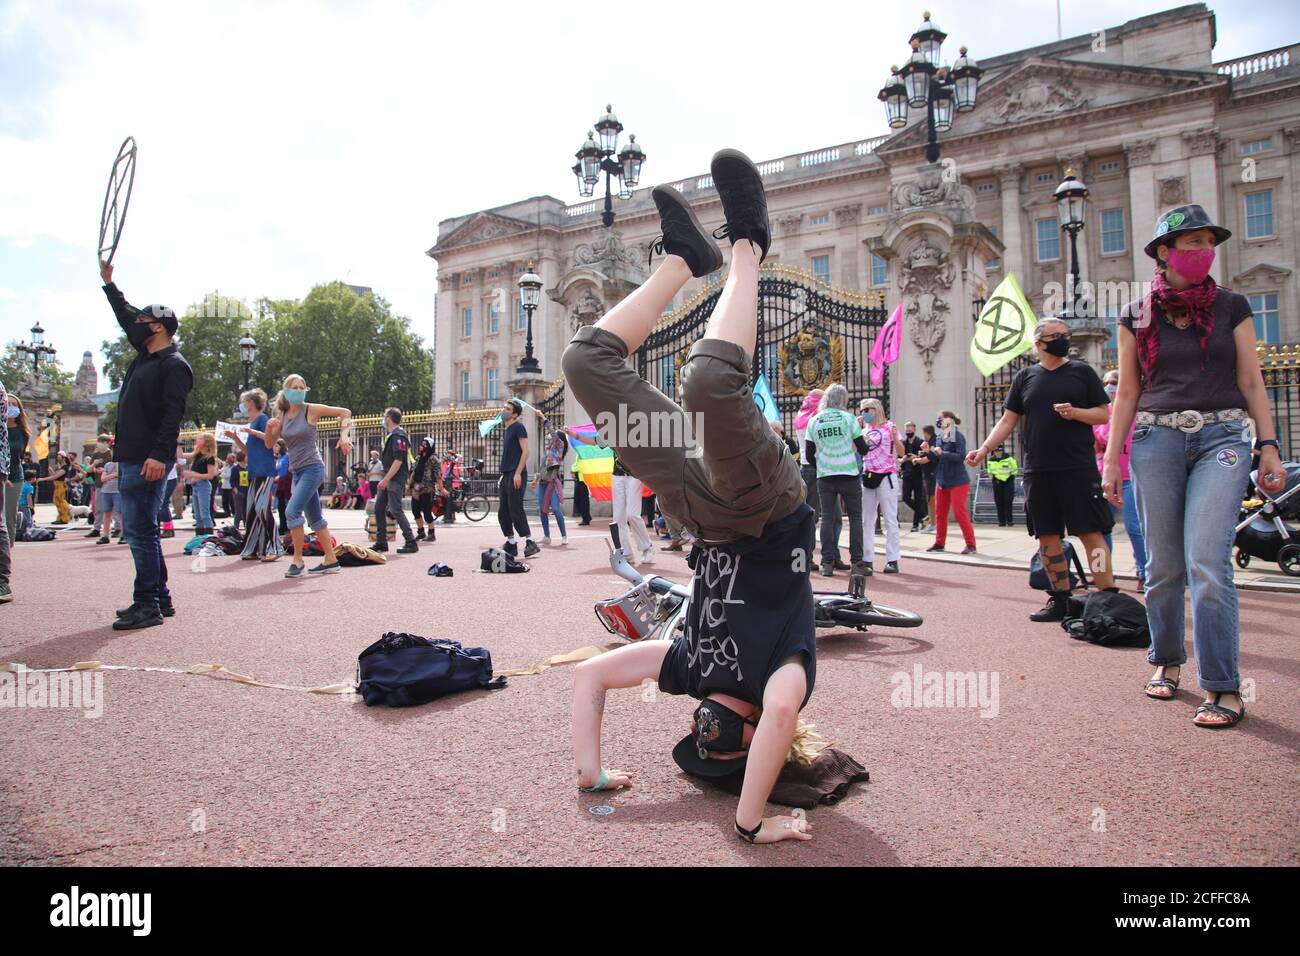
x=287 y=143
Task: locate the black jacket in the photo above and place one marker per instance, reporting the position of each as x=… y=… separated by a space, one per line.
x=151 y=401
x=396 y=446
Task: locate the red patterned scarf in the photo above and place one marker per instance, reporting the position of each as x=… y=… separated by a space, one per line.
x=1195 y=302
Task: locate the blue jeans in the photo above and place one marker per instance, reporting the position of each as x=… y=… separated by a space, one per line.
x=306 y=497
x=202 y=498
x=141 y=501
x=164 y=506
x=1133 y=525
x=553 y=502
x=1189 y=490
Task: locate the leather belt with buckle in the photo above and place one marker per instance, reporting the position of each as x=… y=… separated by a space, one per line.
x=1190 y=421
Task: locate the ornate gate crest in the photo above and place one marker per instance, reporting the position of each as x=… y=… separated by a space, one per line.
x=811 y=358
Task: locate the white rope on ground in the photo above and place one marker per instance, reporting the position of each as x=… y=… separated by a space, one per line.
x=221 y=672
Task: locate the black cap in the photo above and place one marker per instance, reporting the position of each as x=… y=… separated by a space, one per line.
x=1183 y=219
x=717 y=728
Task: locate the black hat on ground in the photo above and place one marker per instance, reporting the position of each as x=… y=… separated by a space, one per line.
x=717 y=729
x=1183 y=219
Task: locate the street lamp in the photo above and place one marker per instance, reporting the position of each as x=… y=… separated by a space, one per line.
x=597 y=155
x=530 y=295
x=37 y=349
x=1071 y=204
x=922 y=82
x=247 y=355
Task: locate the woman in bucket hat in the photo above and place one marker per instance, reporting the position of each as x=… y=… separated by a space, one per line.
x=1190 y=376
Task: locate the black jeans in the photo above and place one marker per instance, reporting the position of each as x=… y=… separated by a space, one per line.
x=510 y=507
x=914 y=496
x=849 y=489
x=388 y=501
x=581 y=502
x=1003 y=493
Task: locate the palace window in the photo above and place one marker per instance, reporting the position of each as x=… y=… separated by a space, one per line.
x=1256 y=146
x=1259 y=214
x=521 y=316
x=983 y=188
x=1109 y=166
x=821 y=267
x=1112 y=231
x=1048 y=238
x=493 y=320
x=877 y=210
x=1264 y=306
x=879 y=270
x=464 y=386
x=493 y=377
x=820 y=219
x=466 y=323
x=1046 y=177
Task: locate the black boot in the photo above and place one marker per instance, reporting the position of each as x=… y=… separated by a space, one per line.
x=138 y=616
x=740 y=187
x=410 y=547
x=1054 y=609
x=682 y=233
x=166 y=608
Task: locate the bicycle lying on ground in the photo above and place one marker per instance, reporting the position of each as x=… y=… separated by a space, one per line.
x=655 y=608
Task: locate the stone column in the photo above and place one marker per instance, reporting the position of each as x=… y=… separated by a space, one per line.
x=1142 y=202
x=1202 y=146
x=1009 y=185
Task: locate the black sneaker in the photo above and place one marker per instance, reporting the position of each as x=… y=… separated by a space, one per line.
x=140 y=615
x=531 y=548
x=891 y=567
x=294 y=571
x=828 y=570
x=166 y=608
x=103 y=540
x=380 y=546
x=409 y=548
x=511 y=548
x=740 y=187
x=1054 y=609
x=92 y=534
x=841 y=566
x=323 y=568
x=682 y=233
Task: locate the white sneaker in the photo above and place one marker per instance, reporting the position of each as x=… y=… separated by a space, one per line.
x=648 y=556
x=546 y=540
x=564 y=539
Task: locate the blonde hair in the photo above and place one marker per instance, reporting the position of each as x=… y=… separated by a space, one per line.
x=202 y=443
x=877 y=405
x=256 y=396
x=282 y=403
x=807 y=743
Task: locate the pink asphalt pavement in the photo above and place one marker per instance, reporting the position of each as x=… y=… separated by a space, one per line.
x=1077 y=767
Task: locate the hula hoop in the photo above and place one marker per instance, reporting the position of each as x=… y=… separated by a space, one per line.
x=121 y=176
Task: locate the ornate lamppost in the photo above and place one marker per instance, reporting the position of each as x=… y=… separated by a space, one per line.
x=595 y=157
x=922 y=82
x=1071 y=206
x=38 y=349
x=530 y=295
x=247 y=355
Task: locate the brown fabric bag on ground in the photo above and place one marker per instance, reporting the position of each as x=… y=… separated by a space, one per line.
x=825 y=781
x=353 y=555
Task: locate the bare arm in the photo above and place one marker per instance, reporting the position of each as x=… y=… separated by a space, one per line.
x=1005 y=426
x=1251 y=382
x=1123 y=409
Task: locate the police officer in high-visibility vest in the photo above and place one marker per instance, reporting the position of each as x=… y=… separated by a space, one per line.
x=1002 y=469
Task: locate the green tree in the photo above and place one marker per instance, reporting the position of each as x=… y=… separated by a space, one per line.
x=15 y=366
x=352 y=350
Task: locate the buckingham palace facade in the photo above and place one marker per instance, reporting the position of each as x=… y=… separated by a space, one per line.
x=1145 y=116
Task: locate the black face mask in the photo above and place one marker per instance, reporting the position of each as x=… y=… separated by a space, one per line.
x=717 y=727
x=1058 y=347
x=138 y=334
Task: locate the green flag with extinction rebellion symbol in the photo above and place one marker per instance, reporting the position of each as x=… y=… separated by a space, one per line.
x=1005 y=328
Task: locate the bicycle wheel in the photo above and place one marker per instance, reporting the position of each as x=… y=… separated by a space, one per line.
x=475 y=507
x=856 y=613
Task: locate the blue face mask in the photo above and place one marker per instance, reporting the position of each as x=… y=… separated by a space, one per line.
x=11 y=411
x=295 y=396
x=868 y=416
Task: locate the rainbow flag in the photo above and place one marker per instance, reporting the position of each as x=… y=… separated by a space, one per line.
x=595 y=463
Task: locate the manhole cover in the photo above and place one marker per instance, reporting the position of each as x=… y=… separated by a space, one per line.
x=602 y=810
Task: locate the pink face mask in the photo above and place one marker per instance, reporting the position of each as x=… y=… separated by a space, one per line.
x=1192 y=264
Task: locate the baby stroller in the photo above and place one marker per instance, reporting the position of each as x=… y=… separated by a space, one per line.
x=1269 y=527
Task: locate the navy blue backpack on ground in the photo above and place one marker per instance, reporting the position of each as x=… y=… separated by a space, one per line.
x=402 y=670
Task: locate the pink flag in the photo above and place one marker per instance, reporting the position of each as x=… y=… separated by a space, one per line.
x=884 y=351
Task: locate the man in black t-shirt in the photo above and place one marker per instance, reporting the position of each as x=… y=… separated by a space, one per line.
x=514 y=479
x=388 y=492
x=1056 y=403
x=913 y=494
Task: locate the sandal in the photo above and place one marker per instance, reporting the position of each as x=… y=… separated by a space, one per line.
x=1164 y=682
x=1234 y=717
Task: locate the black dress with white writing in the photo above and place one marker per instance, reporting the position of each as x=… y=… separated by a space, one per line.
x=751 y=609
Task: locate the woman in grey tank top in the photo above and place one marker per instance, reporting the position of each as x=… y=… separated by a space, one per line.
x=295 y=424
